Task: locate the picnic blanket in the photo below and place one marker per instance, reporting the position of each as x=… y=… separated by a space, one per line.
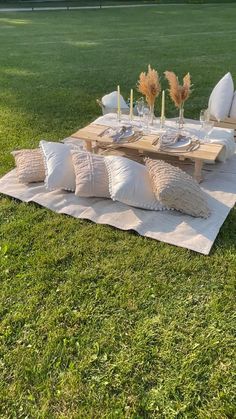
x=167 y=226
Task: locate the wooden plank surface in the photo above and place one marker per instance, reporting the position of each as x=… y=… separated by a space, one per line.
x=206 y=152
x=226 y=123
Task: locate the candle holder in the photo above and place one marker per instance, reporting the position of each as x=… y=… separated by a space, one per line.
x=131 y=118
x=118 y=116
x=162 y=121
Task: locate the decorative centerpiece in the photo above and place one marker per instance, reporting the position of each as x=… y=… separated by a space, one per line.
x=179 y=94
x=149 y=85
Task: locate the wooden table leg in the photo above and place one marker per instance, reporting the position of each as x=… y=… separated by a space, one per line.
x=198 y=170
x=88 y=146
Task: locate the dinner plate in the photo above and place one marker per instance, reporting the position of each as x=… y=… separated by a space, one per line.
x=184 y=142
x=124 y=136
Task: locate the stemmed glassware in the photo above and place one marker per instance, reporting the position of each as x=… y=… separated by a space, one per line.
x=140 y=108
x=204 y=116
x=146 y=119
x=207 y=127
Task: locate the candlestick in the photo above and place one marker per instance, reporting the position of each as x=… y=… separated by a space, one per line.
x=162 y=119
x=131 y=104
x=163 y=104
x=118 y=102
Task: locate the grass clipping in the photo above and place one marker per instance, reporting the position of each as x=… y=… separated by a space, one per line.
x=149 y=85
x=179 y=94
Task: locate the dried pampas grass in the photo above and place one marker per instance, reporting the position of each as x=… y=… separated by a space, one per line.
x=179 y=94
x=149 y=85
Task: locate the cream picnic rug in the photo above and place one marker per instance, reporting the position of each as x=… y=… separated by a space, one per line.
x=167 y=226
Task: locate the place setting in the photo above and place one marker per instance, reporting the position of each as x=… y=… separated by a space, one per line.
x=171 y=142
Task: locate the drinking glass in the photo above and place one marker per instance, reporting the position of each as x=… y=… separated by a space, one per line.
x=140 y=108
x=207 y=127
x=204 y=116
x=146 y=119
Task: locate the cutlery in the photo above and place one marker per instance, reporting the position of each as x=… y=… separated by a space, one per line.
x=104 y=131
x=192 y=147
x=156 y=141
x=135 y=138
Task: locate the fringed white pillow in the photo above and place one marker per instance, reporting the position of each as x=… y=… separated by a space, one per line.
x=58 y=166
x=130 y=184
x=176 y=189
x=29 y=165
x=91 y=175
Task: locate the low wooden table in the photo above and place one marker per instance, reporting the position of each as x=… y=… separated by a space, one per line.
x=205 y=153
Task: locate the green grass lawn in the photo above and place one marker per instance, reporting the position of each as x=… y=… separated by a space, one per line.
x=96 y=322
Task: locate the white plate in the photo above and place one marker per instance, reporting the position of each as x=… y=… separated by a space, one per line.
x=124 y=136
x=180 y=144
x=127 y=134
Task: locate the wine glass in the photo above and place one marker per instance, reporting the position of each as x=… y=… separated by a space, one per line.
x=207 y=127
x=140 y=108
x=146 y=119
x=204 y=116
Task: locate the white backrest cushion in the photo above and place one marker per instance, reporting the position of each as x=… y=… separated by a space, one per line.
x=233 y=107
x=110 y=101
x=130 y=184
x=221 y=98
x=58 y=166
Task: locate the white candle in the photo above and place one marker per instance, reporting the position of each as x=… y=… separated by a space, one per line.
x=118 y=101
x=163 y=104
x=131 y=104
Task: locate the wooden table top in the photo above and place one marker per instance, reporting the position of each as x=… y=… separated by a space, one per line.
x=206 y=152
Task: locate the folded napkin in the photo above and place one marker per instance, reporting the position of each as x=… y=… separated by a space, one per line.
x=229 y=144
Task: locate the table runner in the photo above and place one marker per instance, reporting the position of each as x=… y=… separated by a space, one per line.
x=222 y=136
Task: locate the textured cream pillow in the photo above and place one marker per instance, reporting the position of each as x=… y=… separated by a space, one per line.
x=176 y=189
x=91 y=175
x=29 y=165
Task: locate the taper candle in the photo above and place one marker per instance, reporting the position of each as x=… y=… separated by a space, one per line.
x=118 y=101
x=163 y=104
x=131 y=104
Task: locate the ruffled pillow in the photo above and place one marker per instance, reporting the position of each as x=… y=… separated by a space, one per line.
x=176 y=189
x=29 y=165
x=91 y=175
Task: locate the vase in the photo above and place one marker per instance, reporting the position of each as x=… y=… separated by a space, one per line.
x=180 y=120
x=151 y=110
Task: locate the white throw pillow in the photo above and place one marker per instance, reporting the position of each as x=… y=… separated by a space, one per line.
x=233 y=107
x=59 y=168
x=130 y=184
x=221 y=98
